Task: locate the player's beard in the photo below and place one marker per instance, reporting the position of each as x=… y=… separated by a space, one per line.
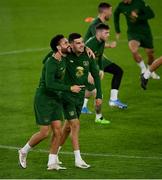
x=66 y=50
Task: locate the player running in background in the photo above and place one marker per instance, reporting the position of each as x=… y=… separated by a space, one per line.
x=105 y=12
x=147 y=73
x=48 y=104
x=137 y=14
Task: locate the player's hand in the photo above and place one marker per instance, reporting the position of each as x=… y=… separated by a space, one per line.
x=90 y=53
x=98 y=102
x=117 y=36
x=76 y=88
x=101 y=74
x=134 y=14
x=90 y=79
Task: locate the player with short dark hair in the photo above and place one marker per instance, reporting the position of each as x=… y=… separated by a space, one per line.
x=78 y=65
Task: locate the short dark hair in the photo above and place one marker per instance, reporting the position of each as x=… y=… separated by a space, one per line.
x=55 y=41
x=102 y=6
x=102 y=26
x=74 y=36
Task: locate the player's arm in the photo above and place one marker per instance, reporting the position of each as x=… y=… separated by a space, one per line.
x=117 y=19
x=147 y=13
x=51 y=83
x=54 y=85
x=95 y=74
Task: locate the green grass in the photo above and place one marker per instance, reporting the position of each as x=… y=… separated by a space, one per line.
x=136 y=131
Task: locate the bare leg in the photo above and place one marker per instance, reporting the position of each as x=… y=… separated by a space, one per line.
x=56 y=137
x=134 y=46
x=65 y=132
x=156 y=64
x=150 y=55
x=75 y=127
x=39 y=136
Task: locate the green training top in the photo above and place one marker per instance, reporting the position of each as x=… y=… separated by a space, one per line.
x=98 y=48
x=92 y=28
x=52 y=76
x=77 y=69
x=135 y=25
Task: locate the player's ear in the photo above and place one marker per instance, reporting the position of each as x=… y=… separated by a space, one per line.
x=59 y=48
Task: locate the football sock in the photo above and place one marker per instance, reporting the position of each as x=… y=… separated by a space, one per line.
x=85 y=102
x=147 y=74
x=77 y=155
x=52 y=159
x=98 y=116
x=59 y=149
x=142 y=66
x=26 y=148
x=114 y=94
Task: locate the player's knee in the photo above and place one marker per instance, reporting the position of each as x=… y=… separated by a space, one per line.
x=75 y=125
x=58 y=132
x=120 y=72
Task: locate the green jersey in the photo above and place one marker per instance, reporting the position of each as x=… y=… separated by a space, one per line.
x=135 y=25
x=77 y=69
x=92 y=29
x=98 y=48
x=52 y=77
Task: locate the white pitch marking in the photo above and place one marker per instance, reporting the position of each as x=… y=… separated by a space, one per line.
x=46 y=48
x=89 y=154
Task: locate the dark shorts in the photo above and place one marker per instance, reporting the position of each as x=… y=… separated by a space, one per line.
x=47 y=109
x=145 y=39
x=72 y=105
x=106 y=62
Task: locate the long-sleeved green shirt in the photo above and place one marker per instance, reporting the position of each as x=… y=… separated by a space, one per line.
x=52 y=79
x=92 y=29
x=135 y=25
x=77 y=69
x=98 y=48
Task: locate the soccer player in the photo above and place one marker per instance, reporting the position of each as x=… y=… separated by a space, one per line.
x=78 y=65
x=48 y=104
x=137 y=14
x=105 y=12
x=97 y=44
x=147 y=73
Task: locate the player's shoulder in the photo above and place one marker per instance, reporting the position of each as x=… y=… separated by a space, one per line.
x=51 y=61
x=90 y=40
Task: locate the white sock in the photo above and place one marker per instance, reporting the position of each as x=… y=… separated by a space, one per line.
x=77 y=155
x=52 y=158
x=114 y=94
x=98 y=116
x=59 y=149
x=85 y=102
x=147 y=74
x=142 y=66
x=26 y=148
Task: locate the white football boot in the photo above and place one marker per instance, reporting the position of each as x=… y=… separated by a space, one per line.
x=82 y=164
x=22 y=159
x=154 y=75
x=55 y=166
